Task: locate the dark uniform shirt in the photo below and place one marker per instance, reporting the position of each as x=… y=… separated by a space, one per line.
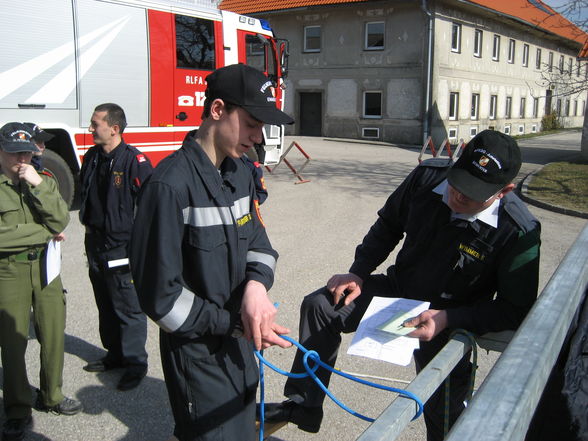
x=455 y=264
x=197 y=240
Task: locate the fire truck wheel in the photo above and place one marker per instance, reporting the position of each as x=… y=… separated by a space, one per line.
x=59 y=168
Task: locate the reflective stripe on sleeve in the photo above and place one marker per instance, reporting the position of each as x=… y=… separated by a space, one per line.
x=179 y=312
x=210 y=216
x=266 y=259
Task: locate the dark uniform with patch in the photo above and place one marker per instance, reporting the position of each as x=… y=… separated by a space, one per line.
x=197 y=241
x=455 y=264
x=29 y=218
x=110 y=184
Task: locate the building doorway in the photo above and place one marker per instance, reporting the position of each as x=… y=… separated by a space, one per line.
x=311 y=113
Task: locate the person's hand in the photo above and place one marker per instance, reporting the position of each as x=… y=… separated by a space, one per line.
x=27 y=173
x=428 y=324
x=59 y=237
x=344 y=286
x=257 y=315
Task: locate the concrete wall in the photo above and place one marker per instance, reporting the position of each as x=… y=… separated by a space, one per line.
x=342 y=70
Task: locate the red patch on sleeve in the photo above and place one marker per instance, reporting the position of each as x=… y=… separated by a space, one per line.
x=141 y=157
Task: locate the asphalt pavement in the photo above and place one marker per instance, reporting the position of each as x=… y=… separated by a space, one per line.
x=315 y=227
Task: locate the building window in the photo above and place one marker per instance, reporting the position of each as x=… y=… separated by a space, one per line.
x=508 y=107
x=455 y=37
x=475 y=105
x=473 y=131
x=535 y=107
x=538 y=59
x=374 y=35
x=561 y=64
x=550 y=63
x=496 y=48
x=452 y=134
x=507 y=129
x=534 y=128
x=570 y=66
x=577 y=68
x=493 y=105
x=477 y=43
x=511 y=51
x=370 y=132
x=567 y=108
x=575 y=107
x=522 y=108
x=583 y=108
x=453 y=105
x=521 y=129
x=312 y=39
x=558 y=107
x=372 y=104
x=525 y=55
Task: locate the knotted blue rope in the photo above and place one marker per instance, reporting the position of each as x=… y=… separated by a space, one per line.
x=313 y=356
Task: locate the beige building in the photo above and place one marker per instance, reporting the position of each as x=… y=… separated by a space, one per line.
x=398 y=71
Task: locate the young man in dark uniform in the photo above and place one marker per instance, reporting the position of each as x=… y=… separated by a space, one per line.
x=32 y=213
x=112 y=174
x=471 y=248
x=203 y=264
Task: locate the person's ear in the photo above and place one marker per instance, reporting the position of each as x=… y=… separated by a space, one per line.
x=510 y=187
x=217 y=108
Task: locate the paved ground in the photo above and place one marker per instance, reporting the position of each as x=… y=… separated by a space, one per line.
x=315 y=226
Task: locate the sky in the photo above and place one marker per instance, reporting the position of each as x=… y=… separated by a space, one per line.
x=579 y=9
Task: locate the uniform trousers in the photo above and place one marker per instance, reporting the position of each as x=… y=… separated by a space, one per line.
x=212 y=384
x=321 y=325
x=121 y=322
x=21 y=287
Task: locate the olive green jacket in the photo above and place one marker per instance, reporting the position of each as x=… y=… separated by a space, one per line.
x=30 y=216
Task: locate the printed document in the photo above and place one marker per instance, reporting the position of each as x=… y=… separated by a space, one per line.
x=53 y=260
x=381 y=335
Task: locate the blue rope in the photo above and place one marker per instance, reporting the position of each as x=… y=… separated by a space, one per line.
x=312 y=356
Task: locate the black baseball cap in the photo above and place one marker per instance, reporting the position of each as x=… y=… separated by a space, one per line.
x=39 y=134
x=16 y=137
x=246 y=87
x=489 y=162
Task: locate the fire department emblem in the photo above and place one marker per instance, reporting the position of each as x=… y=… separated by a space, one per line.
x=483 y=161
x=22 y=136
x=118 y=176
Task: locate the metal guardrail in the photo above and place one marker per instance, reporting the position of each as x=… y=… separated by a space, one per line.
x=502 y=408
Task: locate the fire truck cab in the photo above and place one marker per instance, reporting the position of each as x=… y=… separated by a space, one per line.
x=61 y=58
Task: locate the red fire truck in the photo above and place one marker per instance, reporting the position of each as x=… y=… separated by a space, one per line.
x=61 y=58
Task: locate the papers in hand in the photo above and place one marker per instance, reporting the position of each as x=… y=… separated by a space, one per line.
x=53 y=260
x=380 y=334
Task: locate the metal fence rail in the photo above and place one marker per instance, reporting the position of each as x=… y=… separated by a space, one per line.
x=503 y=407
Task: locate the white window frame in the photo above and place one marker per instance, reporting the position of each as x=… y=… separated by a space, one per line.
x=571 y=66
x=453 y=101
x=521 y=129
x=475 y=106
x=367 y=34
x=493 y=106
x=534 y=128
x=451 y=135
x=496 y=48
x=365 y=129
x=372 y=92
x=522 y=106
x=550 y=62
x=511 y=50
x=508 y=107
x=478 y=40
x=507 y=129
x=561 y=64
x=473 y=131
x=525 y=55
x=535 y=107
x=538 y=58
x=306 y=37
x=455 y=37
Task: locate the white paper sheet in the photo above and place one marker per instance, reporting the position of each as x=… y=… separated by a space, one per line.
x=53 y=260
x=373 y=342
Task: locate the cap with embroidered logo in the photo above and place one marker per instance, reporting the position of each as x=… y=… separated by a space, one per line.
x=489 y=162
x=246 y=87
x=39 y=135
x=16 y=137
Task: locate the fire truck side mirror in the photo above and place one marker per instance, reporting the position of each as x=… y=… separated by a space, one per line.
x=182 y=116
x=284 y=54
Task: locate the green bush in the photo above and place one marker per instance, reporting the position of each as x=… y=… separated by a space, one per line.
x=551 y=121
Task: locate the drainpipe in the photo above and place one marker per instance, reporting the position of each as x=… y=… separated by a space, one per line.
x=429 y=67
